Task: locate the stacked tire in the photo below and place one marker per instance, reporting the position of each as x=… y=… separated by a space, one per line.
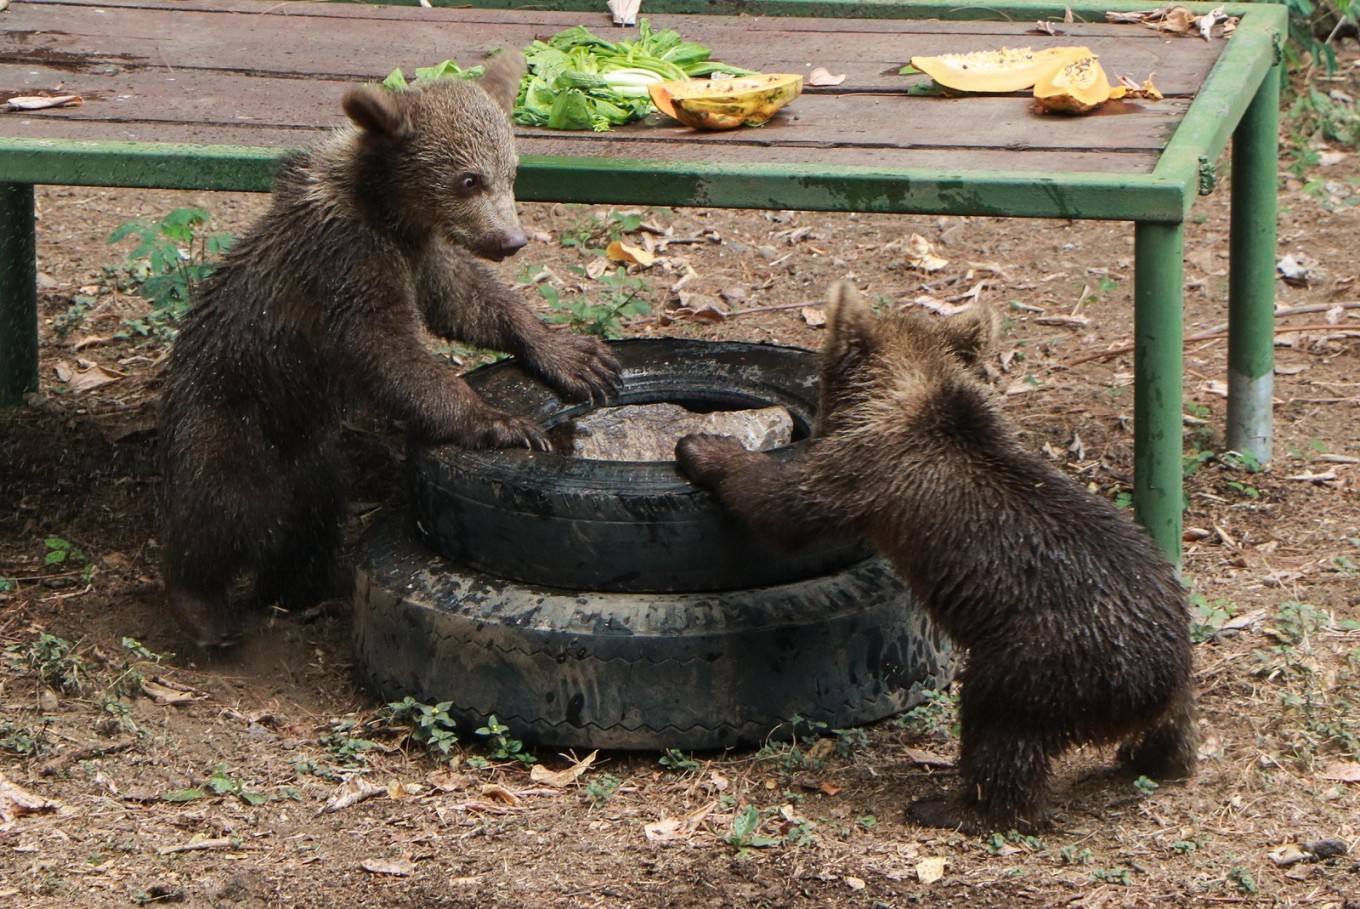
x=602 y=604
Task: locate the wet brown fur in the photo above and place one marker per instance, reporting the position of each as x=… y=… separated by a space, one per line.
x=1075 y=624
x=373 y=238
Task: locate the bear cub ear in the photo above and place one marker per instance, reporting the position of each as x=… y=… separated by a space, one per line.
x=502 y=76
x=377 y=111
x=972 y=334
x=849 y=322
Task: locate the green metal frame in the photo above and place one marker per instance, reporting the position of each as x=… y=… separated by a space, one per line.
x=1157 y=203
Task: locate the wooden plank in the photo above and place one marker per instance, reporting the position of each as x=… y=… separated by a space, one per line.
x=363 y=48
x=194 y=99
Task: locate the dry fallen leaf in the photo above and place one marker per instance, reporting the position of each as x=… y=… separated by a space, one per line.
x=39 y=102
x=1288 y=855
x=85 y=378
x=394 y=867
x=1341 y=771
x=398 y=790
x=814 y=316
x=352 y=791
x=498 y=793
x=560 y=778
x=671 y=829
x=16 y=802
x=446 y=780
x=618 y=251
x=822 y=76
x=921 y=255
x=927 y=758
x=163 y=694
x=930 y=869
x=855 y=883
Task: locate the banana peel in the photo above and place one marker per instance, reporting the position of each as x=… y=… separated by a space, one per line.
x=715 y=104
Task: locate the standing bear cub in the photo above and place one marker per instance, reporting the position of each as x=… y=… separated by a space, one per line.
x=1075 y=625
x=371 y=240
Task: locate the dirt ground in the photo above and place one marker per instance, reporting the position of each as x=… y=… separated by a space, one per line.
x=150 y=772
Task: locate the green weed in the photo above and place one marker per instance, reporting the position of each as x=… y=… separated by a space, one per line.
x=56 y=663
x=172 y=256
x=745 y=834
x=606 y=316
x=1207 y=617
x=936 y=715
x=501 y=745
x=677 y=761
x=602 y=788
x=346 y=749
x=430 y=724
x=221 y=784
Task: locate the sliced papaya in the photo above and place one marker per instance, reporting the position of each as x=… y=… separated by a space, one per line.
x=1076 y=87
x=726 y=103
x=1006 y=70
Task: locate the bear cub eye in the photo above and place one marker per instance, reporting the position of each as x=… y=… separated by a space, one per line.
x=469 y=184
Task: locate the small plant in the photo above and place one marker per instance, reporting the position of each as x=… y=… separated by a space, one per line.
x=1185 y=847
x=936 y=715
x=22 y=741
x=430 y=723
x=75 y=314
x=61 y=552
x=677 y=761
x=1207 y=617
x=8 y=585
x=54 y=660
x=501 y=745
x=172 y=257
x=220 y=783
x=1070 y=855
x=1296 y=621
x=850 y=741
x=1145 y=786
x=346 y=749
x=744 y=836
x=602 y=789
x=1001 y=843
x=1115 y=876
x=606 y=317
x=1243 y=881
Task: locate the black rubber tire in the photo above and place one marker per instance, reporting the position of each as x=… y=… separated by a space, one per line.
x=639 y=671
x=578 y=524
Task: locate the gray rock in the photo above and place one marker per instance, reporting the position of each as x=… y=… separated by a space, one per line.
x=648 y=432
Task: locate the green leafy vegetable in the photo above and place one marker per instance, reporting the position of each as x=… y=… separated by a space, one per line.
x=578 y=80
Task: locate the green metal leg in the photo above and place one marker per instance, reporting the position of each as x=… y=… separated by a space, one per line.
x=1251 y=276
x=1157 y=338
x=18 y=294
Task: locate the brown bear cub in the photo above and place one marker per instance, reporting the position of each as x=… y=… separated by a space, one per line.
x=1075 y=625
x=372 y=239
